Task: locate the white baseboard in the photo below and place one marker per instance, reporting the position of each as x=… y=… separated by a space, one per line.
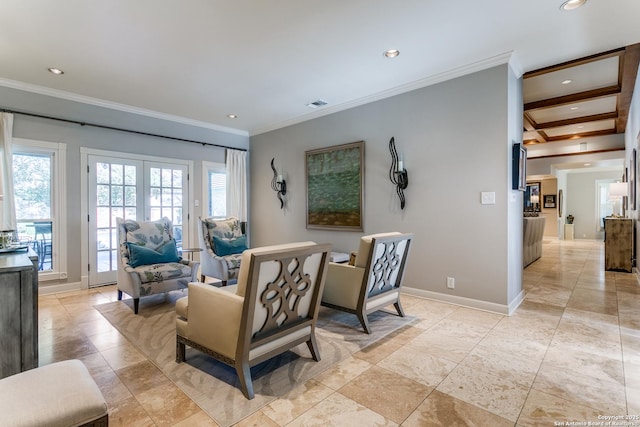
x=467 y=302
x=62 y=287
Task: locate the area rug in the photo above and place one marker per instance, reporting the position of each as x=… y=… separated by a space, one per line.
x=214 y=386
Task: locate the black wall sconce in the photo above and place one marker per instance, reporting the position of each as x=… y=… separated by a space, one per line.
x=278 y=184
x=397 y=173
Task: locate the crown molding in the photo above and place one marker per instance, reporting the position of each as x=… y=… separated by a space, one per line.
x=41 y=90
x=503 y=58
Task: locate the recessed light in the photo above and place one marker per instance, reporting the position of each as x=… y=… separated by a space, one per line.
x=232 y=116
x=566 y=82
x=587 y=164
x=317 y=103
x=580 y=127
x=574 y=108
x=572 y=4
x=391 y=53
x=56 y=71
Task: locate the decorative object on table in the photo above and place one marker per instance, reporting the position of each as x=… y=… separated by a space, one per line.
x=532 y=197
x=569 y=219
x=397 y=173
x=549 y=201
x=148 y=262
x=273 y=309
x=6 y=238
x=374 y=282
x=519 y=167
x=278 y=184
x=618 y=192
x=223 y=241
x=335 y=187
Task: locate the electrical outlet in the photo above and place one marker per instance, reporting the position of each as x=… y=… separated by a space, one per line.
x=451 y=282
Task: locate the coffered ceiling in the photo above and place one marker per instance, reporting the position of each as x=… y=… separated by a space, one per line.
x=582 y=98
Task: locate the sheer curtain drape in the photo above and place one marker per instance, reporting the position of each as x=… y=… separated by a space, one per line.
x=237 y=184
x=7 y=203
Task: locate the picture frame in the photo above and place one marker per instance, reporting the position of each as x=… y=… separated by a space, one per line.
x=532 y=199
x=519 y=167
x=549 y=201
x=335 y=187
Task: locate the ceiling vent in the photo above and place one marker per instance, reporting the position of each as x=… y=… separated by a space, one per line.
x=318 y=103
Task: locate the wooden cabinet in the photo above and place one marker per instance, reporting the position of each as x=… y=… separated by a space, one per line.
x=18 y=313
x=618 y=244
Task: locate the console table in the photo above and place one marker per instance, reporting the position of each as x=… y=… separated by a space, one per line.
x=618 y=244
x=18 y=312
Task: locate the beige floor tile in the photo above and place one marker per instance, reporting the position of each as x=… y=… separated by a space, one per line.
x=167 y=404
x=608 y=397
x=542 y=409
x=342 y=372
x=142 y=377
x=199 y=419
x=606 y=367
x=592 y=300
x=112 y=388
x=440 y=409
x=519 y=369
x=257 y=419
x=444 y=346
x=498 y=395
x=338 y=410
x=384 y=347
x=476 y=317
x=411 y=362
x=296 y=402
x=129 y=413
x=515 y=344
x=387 y=393
x=123 y=356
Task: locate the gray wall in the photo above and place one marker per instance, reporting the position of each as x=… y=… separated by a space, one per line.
x=456 y=137
x=581 y=200
x=76 y=136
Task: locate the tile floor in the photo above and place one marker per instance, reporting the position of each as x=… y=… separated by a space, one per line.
x=571 y=352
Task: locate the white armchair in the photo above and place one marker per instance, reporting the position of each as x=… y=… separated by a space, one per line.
x=273 y=308
x=221 y=262
x=149 y=263
x=374 y=281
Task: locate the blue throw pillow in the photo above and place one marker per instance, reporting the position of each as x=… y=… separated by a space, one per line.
x=223 y=247
x=140 y=255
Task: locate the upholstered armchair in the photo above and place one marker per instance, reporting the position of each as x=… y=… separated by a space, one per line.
x=149 y=263
x=273 y=307
x=374 y=281
x=223 y=241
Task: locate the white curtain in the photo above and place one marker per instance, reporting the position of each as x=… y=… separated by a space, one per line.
x=7 y=203
x=237 y=184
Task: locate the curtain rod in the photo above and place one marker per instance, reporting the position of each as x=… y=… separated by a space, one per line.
x=120 y=129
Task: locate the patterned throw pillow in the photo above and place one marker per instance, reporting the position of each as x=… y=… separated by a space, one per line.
x=151 y=234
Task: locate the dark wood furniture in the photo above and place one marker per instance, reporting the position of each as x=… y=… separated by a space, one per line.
x=18 y=312
x=618 y=244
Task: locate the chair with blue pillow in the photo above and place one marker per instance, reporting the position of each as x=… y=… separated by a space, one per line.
x=223 y=241
x=149 y=262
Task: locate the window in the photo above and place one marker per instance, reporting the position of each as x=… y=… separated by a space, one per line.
x=606 y=205
x=37 y=179
x=215 y=187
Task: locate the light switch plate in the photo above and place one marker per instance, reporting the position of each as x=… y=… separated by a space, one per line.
x=488 y=197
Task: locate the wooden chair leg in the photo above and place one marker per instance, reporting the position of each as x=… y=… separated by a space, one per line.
x=244 y=375
x=399 y=309
x=180 y=352
x=365 y=322
x=136 y=305
x=119 y=295
x=202 y=277
x=313 y=348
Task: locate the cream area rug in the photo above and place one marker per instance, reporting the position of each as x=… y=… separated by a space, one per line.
x=214 y=386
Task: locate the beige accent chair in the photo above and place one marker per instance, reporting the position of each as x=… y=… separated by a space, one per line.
x=375 y=280
x=273 y=308
x=214 y=264
x=152 y=277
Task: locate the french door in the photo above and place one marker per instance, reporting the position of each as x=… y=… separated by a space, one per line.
x=130 y=189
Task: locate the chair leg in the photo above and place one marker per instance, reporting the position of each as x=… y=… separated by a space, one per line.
x=399 y=309
x=224 y=283
x=180 y=352
x=244 y=375
x=202 y=276
x=136 y=305
x=365 y=322
x=119 y=295
x=313 y=348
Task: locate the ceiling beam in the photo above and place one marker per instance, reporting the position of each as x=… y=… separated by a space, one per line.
x=582 y=135
x=530 y=126
x=576 y=154
x=628 y=71
x=573 y=98
x=575 y=63
x=577 y=120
